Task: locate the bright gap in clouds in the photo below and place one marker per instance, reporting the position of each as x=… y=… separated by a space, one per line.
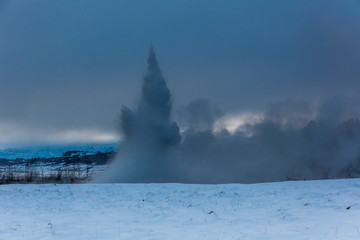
x=238 y=122
x=14 y=135
x=87 y=135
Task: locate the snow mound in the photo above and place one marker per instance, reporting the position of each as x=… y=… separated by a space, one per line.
x=326 y=209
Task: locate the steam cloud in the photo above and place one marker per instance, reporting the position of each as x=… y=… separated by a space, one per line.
x=294 y=141
x=276 y=150
x=149 y=134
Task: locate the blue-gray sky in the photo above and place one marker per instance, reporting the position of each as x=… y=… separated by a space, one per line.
x=67 y=66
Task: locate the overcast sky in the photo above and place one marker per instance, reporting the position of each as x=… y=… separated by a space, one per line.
x=66 y=67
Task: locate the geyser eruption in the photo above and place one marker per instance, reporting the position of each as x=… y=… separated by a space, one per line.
x=148 y=132
x=293 y=141
x=151 y=121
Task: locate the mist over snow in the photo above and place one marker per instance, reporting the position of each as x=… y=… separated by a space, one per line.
x=290 y=140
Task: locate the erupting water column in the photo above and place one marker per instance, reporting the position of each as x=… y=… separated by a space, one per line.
x=148 y=134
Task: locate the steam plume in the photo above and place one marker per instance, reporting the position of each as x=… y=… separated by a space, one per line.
x=149 y=134
x=294 y=141
x=279 y=148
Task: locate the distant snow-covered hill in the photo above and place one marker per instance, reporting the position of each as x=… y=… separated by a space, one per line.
x=55 y=151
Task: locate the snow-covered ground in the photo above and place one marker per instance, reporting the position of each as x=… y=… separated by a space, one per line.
x=327 y=209
x=54 y=151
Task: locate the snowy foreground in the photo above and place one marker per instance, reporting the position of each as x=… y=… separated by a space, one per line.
x=328 y=209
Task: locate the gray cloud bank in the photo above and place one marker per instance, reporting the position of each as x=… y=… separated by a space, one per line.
x=69 y=64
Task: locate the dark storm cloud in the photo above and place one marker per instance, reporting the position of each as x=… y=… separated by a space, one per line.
x=70 y=64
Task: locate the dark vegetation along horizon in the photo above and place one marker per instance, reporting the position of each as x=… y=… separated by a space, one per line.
x=71 y=167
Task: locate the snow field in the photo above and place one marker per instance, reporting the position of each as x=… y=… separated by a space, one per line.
x=326 y=209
